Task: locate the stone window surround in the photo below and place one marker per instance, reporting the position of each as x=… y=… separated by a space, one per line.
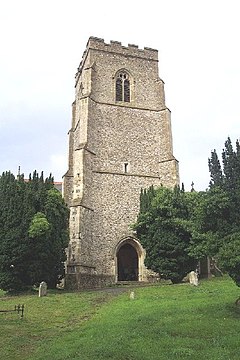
x=126 y=93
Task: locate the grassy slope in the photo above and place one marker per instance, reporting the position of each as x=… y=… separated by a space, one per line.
x=163 y=322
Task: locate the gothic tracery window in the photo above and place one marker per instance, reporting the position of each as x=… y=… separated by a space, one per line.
x=123 y=87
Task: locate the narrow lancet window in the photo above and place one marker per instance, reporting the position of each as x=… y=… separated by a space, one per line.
x=119 y=90
x=126 y=90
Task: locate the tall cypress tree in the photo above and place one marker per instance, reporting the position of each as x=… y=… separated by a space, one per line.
x=215 y=170
x=12 y=230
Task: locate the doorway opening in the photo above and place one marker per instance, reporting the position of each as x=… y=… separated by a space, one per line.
x=127 y=263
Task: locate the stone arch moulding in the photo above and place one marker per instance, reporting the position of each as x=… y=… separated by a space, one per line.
x=126 y=244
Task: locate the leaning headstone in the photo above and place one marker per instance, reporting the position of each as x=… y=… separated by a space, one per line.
x=132 y=295
x=193 y=278
x=42 y=289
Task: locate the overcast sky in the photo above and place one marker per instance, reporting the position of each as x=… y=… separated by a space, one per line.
x=41 y=47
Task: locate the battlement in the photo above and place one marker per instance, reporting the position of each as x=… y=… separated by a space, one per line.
x=132 y=50
x=116 y=46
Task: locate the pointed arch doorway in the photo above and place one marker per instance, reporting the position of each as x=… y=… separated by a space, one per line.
x=128 y=260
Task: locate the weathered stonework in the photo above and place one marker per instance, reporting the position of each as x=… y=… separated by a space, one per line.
x=115 y=149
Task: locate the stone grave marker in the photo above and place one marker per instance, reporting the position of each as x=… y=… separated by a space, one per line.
x=193 y=278
x=42 y=289
x=132 y=295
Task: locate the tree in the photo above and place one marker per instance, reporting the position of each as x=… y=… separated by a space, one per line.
x=227 y=176
x=229 y=256
x=12 y=232
x=57 y=214
x=164 y=229
x=222 y=210
x=33 y=232
x=39 y=226
x=215 y=170
x=177 y=227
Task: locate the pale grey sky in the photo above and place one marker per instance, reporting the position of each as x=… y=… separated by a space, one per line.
x=41 y=47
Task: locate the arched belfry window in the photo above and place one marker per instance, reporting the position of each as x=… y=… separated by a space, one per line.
x=123 y=87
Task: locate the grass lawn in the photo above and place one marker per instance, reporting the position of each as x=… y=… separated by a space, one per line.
x=162 y=322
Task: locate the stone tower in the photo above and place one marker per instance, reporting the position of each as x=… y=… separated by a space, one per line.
x=120 y=141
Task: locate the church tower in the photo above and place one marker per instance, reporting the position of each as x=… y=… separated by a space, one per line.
x=120 y=141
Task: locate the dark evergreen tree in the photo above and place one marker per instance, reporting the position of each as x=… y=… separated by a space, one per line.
x=215 y=170
x=33 y=232
x=12 y=231
x=227 y=176
x=57 y=214
x=222 y=213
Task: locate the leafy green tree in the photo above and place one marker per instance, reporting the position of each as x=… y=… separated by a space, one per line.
x=39 y=226
x=164 y=229
x=229 y=256
x=33 y=232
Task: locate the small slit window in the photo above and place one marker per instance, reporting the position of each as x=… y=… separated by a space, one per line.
x=123 y=87
x=125 y=167
x=72 y=269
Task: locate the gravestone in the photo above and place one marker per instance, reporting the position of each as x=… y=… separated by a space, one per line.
x=193 y=278
x=42 y=289
x=132 y=295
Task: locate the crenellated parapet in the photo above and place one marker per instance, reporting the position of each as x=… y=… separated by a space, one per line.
x=132 y=50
